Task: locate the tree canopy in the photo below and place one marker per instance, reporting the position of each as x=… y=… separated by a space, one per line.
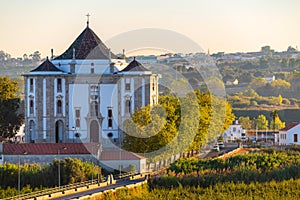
x=10 y=119
x=181 y=123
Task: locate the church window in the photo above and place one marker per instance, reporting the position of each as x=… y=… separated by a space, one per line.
x=94 y=92
x=59 y=87
x=31 y=106
x=77 y=113
x=92 y=70
x=110 y=117
x=127 y=107
x=77 y=122
x=31 y=85
x=77 y=117
x=127 y=86
x=59 y=107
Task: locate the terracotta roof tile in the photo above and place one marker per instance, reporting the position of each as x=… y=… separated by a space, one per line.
x=49 y=148
x=290 y=126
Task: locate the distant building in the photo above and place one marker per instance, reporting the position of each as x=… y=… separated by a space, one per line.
x=269 y=78
x=235 y=132
x=45 y=153
x=232 y=82
x=261 y=135
x=290 y=134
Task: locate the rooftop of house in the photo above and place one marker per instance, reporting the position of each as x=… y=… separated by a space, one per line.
x=67 y=149
x=49 y=148
x=290 y=126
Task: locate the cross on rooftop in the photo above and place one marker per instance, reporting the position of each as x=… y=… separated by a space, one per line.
x=88 y=19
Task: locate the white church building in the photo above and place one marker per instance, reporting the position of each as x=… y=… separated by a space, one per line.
x=85 y=94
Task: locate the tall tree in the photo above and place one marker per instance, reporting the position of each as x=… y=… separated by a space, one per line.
x=276 y=122
x=10 y=119
x=246 y=122
x=262 y=122
x=181 y=122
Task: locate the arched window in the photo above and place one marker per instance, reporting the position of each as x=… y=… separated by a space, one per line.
x=32 y=131
x=127 y=107
x=31 y=106
x=59 y=107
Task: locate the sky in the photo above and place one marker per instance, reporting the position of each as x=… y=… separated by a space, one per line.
x=217 y=25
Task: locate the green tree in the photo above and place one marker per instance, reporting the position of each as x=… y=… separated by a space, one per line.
x=184 y=122
x=261 y=122
x=276 y=123
x=280 y=99
x=250 y=93
x=10 y=119
x=246 y=122
x=257 y=83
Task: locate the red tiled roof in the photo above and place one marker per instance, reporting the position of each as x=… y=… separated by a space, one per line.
x=49 y=148
x=119 y=155
x=290 y=126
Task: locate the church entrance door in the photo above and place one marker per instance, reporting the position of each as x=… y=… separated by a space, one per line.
x=59 y=131
x=94 y=131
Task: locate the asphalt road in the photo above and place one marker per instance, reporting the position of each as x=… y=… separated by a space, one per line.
x=100 y=189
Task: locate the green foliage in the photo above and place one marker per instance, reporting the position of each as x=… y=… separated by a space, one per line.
x=181 y=122
x=270 y=161
x=250 y=93
x=39 y=177
x=261 y=122
x=10 y=119
x=172 y=188
x=280 y=99
x=276 y=123
x=246 y=122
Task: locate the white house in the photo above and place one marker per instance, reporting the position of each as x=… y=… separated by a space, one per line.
x=269 y=78
x=290 y=134
x=122 y=160
x=235 y=132
x=232 y=82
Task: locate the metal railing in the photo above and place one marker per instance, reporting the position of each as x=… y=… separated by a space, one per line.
x=54 y=190
x=63 y=188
